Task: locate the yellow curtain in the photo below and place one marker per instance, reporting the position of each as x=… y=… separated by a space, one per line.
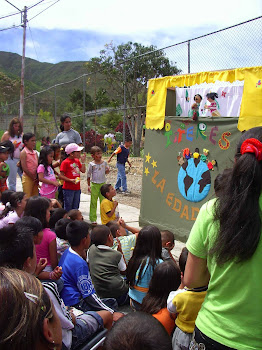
x=251 y=107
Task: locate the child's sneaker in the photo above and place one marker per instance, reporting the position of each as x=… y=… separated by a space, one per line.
x=118 y=190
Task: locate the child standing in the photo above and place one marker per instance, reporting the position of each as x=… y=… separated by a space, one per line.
x=122 y=157
x=29 y=163
x=108 y=206
x=6 y=148
x=46 y=173
x=186 y=303
x=70 y=173
x=97 y=169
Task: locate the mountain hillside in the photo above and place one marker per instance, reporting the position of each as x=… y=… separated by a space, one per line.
x=42 y=75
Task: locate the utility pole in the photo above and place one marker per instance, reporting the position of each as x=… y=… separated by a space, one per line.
x=22 y=88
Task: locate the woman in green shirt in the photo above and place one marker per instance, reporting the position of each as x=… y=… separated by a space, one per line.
x=225 y=252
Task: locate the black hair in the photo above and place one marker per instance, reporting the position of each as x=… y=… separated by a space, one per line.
x=76 y=231
x=197 y=95
x=148 y=245
x=128 y=138
x=60 y=228
x=55 y=215
x=100 y=234
x=15 y=246
x=139 y=331
x=33 y=224
x=219 y=181
x=37 y=206
x=238 y=212
x=6 y=196
x=45 y=151
x=62 y=120
x=212 y=95
x=14 y=199
x=113 y=226
x=73 y=213
x=27 y=136
x=55 y=147
x=183 y=259
x=167 y=236
x=166 y=278
x=104 y=189
x=9 y=145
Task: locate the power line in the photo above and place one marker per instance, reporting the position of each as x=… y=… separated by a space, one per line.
x=33 y=41
x=39 y=2
x=43 y=10
x=12 y=14
x=19 y=25
x=13 y=5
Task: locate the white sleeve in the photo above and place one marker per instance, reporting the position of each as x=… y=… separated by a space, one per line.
x=122 y=264
x=171 y=307
x=89 y=171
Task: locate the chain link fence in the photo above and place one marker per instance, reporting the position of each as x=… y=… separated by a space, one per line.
x=233 y=47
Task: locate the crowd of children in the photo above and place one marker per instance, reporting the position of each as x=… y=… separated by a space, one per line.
x=63 y=279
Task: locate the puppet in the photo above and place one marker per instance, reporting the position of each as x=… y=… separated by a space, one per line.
x=213 y=106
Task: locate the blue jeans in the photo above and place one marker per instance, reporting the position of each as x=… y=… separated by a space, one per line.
x=71 y=199
x=86 y=325
x=121 y=177
x=13 y=172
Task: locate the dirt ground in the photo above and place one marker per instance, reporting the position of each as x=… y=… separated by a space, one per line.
x=134 y=180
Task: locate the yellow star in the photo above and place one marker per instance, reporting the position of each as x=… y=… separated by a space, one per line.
x=146 y=171
x=154 y=164
x=148 y=158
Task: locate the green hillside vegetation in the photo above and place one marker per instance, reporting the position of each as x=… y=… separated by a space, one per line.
x=42 y=75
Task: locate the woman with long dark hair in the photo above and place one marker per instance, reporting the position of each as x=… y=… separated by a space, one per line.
x=225 y=252
x=146 y=256
x=67 y=134
x=14 y=134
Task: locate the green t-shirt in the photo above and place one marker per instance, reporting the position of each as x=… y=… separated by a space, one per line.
x=231 y=313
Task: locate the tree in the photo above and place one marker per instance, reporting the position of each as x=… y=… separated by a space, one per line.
x=132 y=64
x=9 y=92
x=77 y=100
x=45 y=121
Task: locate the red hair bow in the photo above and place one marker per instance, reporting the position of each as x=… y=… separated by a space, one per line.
x=252 y=146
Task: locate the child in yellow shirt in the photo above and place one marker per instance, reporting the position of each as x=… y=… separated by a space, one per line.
x=108 y=209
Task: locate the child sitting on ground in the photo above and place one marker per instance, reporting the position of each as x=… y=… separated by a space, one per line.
x=19 y=252
x=106 y=266
x=166 y=278
x=122 y=240
x=62 y=243
x=168 y=243
x=108 y=208
x=145 y=258
x=55 y=215
x=75 y=214
x=78 y=288
x=96 y=177
x=186 y=303
x=138 y=331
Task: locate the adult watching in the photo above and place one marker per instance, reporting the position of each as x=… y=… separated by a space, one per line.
x=14 y=134
x=67 y=134
x=225 y=253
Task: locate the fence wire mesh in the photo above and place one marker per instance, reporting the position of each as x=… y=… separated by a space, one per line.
x=233 y=47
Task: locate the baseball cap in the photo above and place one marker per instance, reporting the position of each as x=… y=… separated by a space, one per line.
x=73 y=147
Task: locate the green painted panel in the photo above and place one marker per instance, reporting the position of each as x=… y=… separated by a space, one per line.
x=172 y=194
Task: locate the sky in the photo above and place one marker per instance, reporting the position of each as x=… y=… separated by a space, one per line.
x=77 y=30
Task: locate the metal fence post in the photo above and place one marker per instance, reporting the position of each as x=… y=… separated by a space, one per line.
x=84 y=113
x=34 y=115
x=124 y=118
x=188 y=56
